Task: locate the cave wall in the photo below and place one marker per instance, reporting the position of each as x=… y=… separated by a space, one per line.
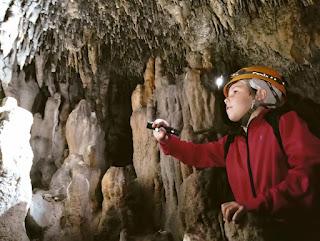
x=93 y=73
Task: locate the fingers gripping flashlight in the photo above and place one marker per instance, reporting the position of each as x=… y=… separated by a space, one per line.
x=167 y=128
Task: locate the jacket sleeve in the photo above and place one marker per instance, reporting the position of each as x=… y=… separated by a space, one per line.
x=198 y=155
x=298 y=189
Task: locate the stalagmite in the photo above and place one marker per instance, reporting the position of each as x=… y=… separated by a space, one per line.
x=15 y=165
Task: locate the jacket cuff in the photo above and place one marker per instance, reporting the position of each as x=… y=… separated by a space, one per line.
x=257 y=204
x=165 y=144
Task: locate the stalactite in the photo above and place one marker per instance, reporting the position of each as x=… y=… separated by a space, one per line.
x=148 y=16
x=20 y=37
x=307 y=2
x=221 y=13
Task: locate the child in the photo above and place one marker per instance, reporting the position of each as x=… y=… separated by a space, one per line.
x=264 y=178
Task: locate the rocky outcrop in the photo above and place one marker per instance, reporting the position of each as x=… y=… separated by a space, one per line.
x=201 y=196
x=85 y=136
x=117 y=217
x=224 y=34
x=22 y=25
x=69 y=210
x=166 y=189
x=15 y=165
x=48 y=143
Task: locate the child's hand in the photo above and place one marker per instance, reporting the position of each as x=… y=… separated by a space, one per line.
x=232 y=211
x=160 y=133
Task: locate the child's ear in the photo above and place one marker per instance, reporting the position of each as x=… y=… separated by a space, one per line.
x=261 y=94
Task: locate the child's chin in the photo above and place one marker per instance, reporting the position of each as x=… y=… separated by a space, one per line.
x=233 y=118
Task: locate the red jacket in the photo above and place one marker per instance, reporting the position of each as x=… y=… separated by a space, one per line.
x=280 y=181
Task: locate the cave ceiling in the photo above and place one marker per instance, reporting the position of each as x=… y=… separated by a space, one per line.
x=211 y=35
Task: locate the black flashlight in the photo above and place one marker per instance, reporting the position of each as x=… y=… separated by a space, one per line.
x=169 y=129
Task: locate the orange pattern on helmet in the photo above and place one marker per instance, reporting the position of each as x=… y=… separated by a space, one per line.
x=258 y=72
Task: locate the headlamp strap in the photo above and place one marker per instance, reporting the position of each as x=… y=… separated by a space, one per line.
x=274 y=93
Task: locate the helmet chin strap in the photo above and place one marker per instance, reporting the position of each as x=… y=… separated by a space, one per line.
x=245 y=119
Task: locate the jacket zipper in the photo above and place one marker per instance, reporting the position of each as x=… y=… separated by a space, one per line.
x=249 y=167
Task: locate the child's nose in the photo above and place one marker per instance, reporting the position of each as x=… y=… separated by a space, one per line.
x=226 y=100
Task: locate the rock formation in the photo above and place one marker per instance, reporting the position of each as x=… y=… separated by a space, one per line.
x=92 y=73
x=15 y=165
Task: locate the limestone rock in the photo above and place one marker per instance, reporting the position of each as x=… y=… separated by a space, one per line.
x=147 y=167
x=85 y=135
x=200 y=101
x=47 y=142
x=73 y=196
x=15 y=165
x=44 y=216
x=22 y=89
x=117 y=214
x=200 y=198
x=22 y=26
x=143 y=93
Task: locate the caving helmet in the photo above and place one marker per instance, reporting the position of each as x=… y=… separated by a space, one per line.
x=260 y=77
x=269 y=75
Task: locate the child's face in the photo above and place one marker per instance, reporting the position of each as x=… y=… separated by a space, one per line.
x=239 y=100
